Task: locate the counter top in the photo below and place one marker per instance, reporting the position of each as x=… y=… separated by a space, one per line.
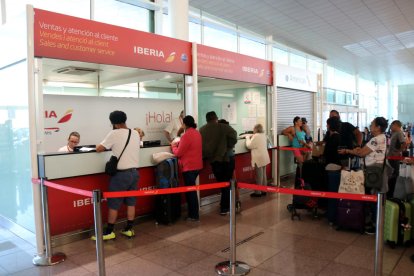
x=61 y=165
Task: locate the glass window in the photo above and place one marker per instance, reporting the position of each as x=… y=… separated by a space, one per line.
x=15 y=161
x=78 y=8
x=14 y=32
x=235 y=105
x=121 y=14
x=297 y=61
x=220 y=39
x=330 y=96
x=315 y=66
x=340 y=97
x=280 y=56
x=252 y=48
x=340 y=80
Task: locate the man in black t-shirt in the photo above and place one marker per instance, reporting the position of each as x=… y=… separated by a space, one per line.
x=351 y=137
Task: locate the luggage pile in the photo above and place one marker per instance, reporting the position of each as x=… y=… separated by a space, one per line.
x=399 y=210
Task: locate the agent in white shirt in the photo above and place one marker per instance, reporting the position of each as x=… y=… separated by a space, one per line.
x=73 y=141
x=175 y=128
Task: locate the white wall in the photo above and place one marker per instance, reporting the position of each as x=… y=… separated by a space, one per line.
x=90 y=117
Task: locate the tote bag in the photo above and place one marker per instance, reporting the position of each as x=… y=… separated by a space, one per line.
x=352 y=182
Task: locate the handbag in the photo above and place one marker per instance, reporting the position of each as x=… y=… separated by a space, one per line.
x=352 y=182
x=318 y=150
x=404 y=187
x=374 y=175
x=111 y=167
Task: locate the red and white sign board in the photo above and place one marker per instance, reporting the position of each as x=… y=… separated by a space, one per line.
x=70 y=38
x=217 y=63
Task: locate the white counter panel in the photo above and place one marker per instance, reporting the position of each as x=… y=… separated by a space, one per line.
x=55 y=166
x=240 y=147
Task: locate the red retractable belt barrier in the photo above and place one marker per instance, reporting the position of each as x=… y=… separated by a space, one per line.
x=293 y=149
x=167 y=190
x=399 y=158
x=372 y=198
x=135 y=193
x=64 y=188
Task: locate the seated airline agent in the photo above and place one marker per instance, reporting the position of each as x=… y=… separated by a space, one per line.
x=73 y=140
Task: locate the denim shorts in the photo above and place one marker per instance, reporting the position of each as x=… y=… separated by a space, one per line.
x=123 y=181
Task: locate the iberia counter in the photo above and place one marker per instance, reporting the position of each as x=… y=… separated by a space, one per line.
x=71 y=213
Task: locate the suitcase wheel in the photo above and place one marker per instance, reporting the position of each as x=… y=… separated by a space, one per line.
x=238 y=206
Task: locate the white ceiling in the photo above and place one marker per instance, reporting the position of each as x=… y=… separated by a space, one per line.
x=371 y=38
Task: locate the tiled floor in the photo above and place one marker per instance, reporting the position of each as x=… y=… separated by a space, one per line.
x=280 y=247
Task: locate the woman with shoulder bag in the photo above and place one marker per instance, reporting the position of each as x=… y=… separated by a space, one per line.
x=374 y=155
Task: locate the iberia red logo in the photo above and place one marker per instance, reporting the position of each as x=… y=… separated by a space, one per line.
x=64 y=119
x=170 y=58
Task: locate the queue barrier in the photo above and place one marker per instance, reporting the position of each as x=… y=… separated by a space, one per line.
x=400 y=158
x=231 y=267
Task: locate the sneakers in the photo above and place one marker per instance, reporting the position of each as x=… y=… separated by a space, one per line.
x=255 y=195
x=192 y=219
x=370 y=230
x=224 y=212
x=128 y=233
x=106 y=237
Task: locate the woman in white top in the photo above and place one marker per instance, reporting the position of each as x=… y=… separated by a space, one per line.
x=73 y=141
x=257 y=143
x=375 y=148
x=374 y=153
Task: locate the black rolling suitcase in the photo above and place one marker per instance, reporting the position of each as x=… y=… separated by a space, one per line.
x=167 y=207
x=334 y=179
x=302 y=202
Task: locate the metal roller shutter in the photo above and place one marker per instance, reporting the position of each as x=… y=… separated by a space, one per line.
x=291 y=103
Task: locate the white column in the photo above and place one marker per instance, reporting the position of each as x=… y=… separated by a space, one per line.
x=34 y=129
x=3 y=11
x=158 y=17
x=178 y=18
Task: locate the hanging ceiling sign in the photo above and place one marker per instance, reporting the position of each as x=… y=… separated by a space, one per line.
x=295 y=78
x=217 y=63
x=70 y=38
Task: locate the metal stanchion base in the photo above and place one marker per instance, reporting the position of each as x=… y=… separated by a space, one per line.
x=42 y=260
x=239 y=268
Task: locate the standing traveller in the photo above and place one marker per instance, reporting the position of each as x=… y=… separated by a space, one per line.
x=257 y=143
x=126 y=178
x=398 y=144
x=217 y=139
x=175 y=128
x=189 y=153
x=374 y=153
x=351 y=136
x=297 y=136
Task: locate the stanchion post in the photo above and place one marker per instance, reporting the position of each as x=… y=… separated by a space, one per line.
x=47 y=258
x=232 y=267
x=379 y=238
x=97 y=198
